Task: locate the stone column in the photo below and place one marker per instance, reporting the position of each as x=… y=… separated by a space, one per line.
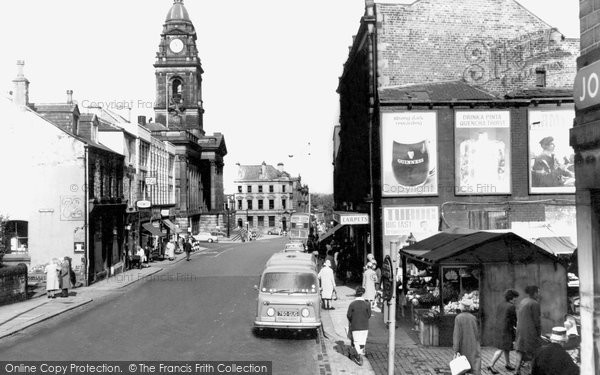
x=182 y=203
x=213 y=187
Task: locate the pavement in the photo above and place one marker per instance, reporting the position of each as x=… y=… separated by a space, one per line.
x=411 y=358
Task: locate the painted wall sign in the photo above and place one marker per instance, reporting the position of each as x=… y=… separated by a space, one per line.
x=586 y=89
x=143 y=204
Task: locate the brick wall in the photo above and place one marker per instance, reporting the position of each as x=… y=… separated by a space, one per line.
x=494 y=44
x=589 y=23
x=13 y=284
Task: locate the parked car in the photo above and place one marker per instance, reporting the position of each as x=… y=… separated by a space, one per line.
x=206 y=237
x=219 y=234
x=294 y=246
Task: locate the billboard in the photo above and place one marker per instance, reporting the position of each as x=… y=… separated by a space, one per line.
x=421 y=221
x=482 y=152
x=409 y=153
x=551 y=158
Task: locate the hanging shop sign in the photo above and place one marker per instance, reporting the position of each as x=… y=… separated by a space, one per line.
x=387 y=278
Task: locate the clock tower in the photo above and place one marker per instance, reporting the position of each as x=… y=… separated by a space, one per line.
x=178 y=72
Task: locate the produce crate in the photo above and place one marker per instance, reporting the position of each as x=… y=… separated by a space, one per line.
x=428 y=334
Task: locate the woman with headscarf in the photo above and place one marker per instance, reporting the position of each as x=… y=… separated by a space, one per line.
x=327 y=280
x=65 y=277
x=52 y=280
x=465 y=339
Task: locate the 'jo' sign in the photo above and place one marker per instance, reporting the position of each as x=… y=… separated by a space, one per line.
x=586 y=90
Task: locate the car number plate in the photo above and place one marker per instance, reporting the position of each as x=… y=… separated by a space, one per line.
x=287 y=316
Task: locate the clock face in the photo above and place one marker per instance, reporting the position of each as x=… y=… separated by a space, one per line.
x=176 y=45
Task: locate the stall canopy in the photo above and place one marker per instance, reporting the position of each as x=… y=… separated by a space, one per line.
x=345 y=218
x=171 y=226
x=556 y=245
x=152 y=229
x=476 y=248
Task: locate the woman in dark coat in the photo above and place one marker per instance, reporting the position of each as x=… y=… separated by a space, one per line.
x=65 y=277
x=529 y=326
x=506 y=321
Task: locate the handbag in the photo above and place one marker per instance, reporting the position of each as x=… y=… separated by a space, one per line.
x=334 y=295
x=459 y=365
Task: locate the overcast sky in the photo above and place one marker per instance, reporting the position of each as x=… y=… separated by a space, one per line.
x=271 y=66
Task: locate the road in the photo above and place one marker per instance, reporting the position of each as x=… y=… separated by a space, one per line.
x=197 y=310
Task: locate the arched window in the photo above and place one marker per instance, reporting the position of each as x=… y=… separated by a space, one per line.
x=177 y=90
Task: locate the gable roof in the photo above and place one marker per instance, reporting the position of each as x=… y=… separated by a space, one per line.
x=477 y=248
x=436 y=91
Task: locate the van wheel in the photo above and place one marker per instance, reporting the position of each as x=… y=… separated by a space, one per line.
x=210 y=240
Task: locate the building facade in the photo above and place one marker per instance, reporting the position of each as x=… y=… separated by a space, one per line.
x=585 y=138
x=179 y=120
x=266 y=197
x=442 y=127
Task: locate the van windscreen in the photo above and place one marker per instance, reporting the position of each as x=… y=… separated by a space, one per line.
x=289 y=282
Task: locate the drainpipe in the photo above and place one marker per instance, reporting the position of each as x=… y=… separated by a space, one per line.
x=86 y=216
x=370 y=21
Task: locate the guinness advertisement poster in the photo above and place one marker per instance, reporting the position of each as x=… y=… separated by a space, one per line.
x=551 y=158
x=409 y=153
x=482 y=147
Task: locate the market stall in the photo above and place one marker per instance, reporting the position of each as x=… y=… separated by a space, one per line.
x=480 y=266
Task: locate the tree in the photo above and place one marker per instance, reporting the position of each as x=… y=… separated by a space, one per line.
x=4 y=240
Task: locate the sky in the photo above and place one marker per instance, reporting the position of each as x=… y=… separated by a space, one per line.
x=271 y=67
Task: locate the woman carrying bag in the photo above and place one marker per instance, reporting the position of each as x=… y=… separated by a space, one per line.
x=465 y=340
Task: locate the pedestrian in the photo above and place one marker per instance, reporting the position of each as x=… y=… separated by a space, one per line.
x=327 y=280
x=504 y=333
x=529 y=327
x=359 y=312
x=141 y=253
x=170 y=252
x=65 y=277
x=465 y=340
x=368 y=283
x=52 y=270
x=188 y=249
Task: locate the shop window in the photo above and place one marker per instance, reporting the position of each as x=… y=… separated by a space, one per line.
x=249 y=202
x=17 y=236
x=271 y=204
x=250 y=221
x=487 y=220
x=261 y=221
x=271 y=221
x=260 y=204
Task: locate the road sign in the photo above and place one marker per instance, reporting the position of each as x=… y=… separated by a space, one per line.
x=387 y=278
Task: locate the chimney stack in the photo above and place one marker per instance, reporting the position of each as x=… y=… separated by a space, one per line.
x=263 y=169
x=142 y=120
x=280 y=167
x=69 y=96
x=21 y=92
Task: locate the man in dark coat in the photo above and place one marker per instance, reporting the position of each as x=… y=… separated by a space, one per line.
x=552 y=359
x=187 y=246
x=547 y=171
x=529 y=326
x=358 y=316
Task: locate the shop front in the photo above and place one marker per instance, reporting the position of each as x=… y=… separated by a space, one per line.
x=480 y=266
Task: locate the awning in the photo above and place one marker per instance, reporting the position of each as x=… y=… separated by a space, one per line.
x=171 y=226
x=476 y=248
x=556 y=245
x=330 y=232
x=152 y=229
